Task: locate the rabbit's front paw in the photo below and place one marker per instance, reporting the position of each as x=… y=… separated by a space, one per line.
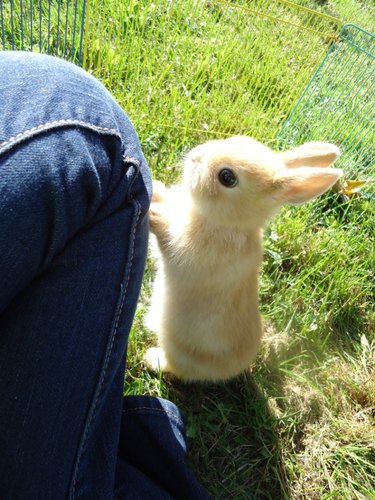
x=158 y=222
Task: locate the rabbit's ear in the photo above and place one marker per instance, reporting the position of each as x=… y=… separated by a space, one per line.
x=304 y=183
x=311 y=154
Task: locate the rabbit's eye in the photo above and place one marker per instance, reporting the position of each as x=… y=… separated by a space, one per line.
x=228 y=178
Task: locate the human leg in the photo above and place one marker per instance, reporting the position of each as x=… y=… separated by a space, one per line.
x=74 y=192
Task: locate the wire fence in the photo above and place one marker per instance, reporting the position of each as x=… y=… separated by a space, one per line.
x=206 y=68
x=167 y=58
x=50 y=26
x=188 y=70
x=338 y=105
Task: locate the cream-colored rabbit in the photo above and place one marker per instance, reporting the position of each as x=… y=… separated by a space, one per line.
x=204 y=307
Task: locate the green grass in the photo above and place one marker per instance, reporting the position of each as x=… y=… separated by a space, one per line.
x=189 y=70
x=299 y=423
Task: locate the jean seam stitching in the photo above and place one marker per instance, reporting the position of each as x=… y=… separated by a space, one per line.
x=49 y=125
x=92 y=411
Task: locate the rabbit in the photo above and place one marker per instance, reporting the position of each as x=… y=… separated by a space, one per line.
x=204 y=306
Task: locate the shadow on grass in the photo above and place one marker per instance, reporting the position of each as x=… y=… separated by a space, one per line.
x=234 y=447
x=348 y=324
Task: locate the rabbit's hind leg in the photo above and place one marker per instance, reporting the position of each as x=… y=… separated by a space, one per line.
x=155 y=359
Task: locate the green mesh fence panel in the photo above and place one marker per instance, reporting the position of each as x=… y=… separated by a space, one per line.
x=50 y=26
x=338 y=105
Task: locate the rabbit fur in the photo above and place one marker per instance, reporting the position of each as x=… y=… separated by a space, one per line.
x=204 y=306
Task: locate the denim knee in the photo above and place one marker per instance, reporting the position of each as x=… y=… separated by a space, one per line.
x=74 y=193
x=68 y=155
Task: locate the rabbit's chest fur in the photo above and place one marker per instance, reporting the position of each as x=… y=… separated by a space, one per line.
x=201 y=255
x=211 y=258
x=211 y=274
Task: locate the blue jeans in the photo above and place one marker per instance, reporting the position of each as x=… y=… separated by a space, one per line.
x=74 y=195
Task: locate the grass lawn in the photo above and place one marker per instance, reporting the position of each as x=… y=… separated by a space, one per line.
x=300 y=423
